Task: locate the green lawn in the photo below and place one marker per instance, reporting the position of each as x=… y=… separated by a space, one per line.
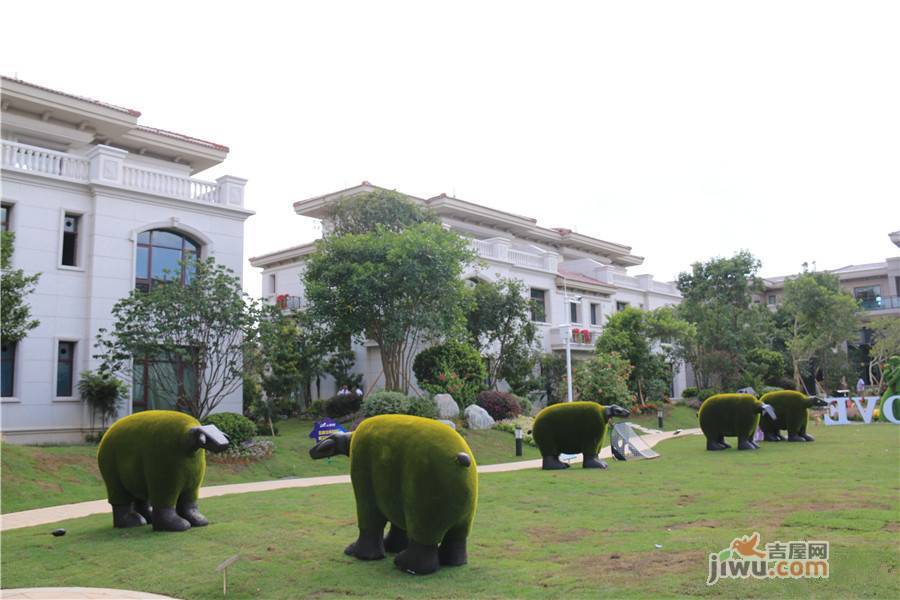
x=38 y=476
x=571 y=534
x=674 y=417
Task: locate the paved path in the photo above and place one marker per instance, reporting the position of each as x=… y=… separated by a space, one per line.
x=76 y=593
x=53 y=514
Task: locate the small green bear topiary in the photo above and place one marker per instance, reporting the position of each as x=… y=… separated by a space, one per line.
x=573 y=428
x=892 y=379
x=792 y=414
x=152 y=467
x=731 y=415
x=416 y=474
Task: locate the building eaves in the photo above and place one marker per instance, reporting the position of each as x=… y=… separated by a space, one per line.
x=128 y=111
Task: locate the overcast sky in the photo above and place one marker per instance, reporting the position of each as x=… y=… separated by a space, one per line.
x=684 y=129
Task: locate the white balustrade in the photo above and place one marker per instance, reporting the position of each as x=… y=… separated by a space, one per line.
x=32 y=159
x=524 y=259
x=485 y=249
x=167 y=184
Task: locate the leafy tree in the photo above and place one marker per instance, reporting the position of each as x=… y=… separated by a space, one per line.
x=15 y=285
x=821 y=317
x=499 y=325
x=453 y=367
x=764 y=367
x=394 y=280
x=206 y=324
x=651 y=341
x=717 y=300
x=885 y=344
x=553 y=377
x=603 y=379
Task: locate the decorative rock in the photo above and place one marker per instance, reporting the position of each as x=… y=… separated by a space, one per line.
x=478 y=418
x=450 y=424
x=446 y=405
x=58 y=532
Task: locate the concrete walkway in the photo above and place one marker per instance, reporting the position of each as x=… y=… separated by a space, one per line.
x=77 y=593
x=54 y=514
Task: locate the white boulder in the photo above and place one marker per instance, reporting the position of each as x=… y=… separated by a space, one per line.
x=446 y=405
x=478 y=418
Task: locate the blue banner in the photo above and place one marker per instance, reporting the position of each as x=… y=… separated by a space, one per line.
x=322 y=429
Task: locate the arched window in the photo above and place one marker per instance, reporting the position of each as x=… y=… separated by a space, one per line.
x=160 y=253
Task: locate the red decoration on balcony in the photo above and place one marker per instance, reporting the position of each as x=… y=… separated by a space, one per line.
x=281 y=301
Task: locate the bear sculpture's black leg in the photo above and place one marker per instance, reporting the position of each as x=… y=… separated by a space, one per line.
x=753 y=443
x=722 y=441
x=452 y=553
x=712 y=445
x=189 y=511
x=552 y=463
x=593 y=462
x=806 y=436
x=368 y=546
x=143 y=508
x=418 y=559
x=796 y=437
x=745 y=444
x=124 y=515
x=166 y=519
x=395 y=541
x=772 y=437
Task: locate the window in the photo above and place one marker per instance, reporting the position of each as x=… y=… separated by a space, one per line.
x=160 y=254
x=70 y=240
x=538 y=305
x=771 y=299
x=163 y=382
x=868 y=296
x=620 y=306
x=65 y=369
x=5 y=209
x=8 y=369
x=273 y=281
x=573 y=312
x=595 y=314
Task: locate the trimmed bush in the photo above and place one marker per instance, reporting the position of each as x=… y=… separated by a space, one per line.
x=500 y=405
x=453 y=368
x=237 y=428
x=383 y=402
x=342 y=405
x=690 y=392
x=421 y=407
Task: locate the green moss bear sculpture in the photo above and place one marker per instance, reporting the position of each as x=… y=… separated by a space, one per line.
x=573 y=428
x=731 y=415
x=153 y=466
x=417 y=474
x=791 y=414
x=892 y=379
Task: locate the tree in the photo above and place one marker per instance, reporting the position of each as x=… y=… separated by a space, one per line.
x=453 y=367
x=553 y=377
x=499 y=325
x=203 y=328
x=15 y=285
x=885 y=344
x=717 y=300
x=396 y=283
x=651 y=342
x=820 y=317
x=603 y=379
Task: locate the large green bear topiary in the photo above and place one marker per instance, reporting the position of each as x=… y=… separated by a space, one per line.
x=892 y=379
x=731 y=415
x=791 y=413
x=153 y=466
x=573 y=428
x=417 y=474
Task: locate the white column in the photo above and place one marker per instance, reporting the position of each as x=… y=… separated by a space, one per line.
x=106 y=164
x=231 y=190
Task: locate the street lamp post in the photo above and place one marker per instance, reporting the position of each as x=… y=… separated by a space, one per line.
x=569 y=362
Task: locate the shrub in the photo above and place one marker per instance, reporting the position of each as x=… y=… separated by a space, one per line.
x=603 y=379
x=454 y=368
x=690 y=392
x=238 y=428
x=342 y=405
x=526 y=404
x=316 y=409
x=706 y=393
x=500 y=405
x=395 y=403
x=103 y=392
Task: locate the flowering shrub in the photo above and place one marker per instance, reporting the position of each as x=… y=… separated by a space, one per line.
x=453 y=368
x=603 y=379
x=249 y=451
x=500 y=405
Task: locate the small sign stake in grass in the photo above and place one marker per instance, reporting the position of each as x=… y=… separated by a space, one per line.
x=224 y=569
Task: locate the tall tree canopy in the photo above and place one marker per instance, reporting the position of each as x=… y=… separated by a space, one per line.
x=15 y=285
x=718 y=302
x=499 y=326
x=820 y=318
x=389 y=273
x=885 y=344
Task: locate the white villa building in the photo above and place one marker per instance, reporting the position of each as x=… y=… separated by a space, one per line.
x=578 y=280
x=99 y=205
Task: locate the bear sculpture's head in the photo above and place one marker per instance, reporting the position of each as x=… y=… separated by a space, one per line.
x=339 y=443
x=816 y=402
x=614 y=410
x=208 y=437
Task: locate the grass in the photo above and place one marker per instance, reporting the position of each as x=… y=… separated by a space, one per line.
x=571 y=534
x=38 y=476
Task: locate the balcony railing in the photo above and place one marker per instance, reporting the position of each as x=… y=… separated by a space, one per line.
x=881 y=303
x=41 y=161
x=60 y=165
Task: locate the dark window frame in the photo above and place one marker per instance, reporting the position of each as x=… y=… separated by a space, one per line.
x=538 y=305
x=9 y=385
x=69 y=254
x=70 y=385
x=573 y=312
x=189 y=247
x=143 y=366
x=620 y=306
x=595 y=313
x=5 y=215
